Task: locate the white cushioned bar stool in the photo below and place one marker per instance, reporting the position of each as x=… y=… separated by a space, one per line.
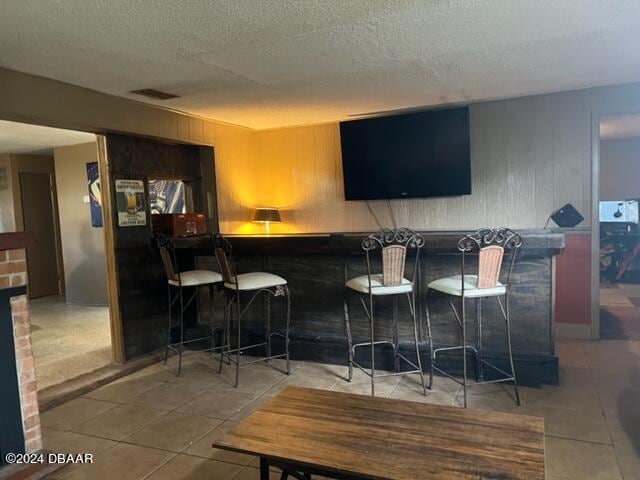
x=490 y=245
x=254 y=284
x=391 y=246
x=177 y=282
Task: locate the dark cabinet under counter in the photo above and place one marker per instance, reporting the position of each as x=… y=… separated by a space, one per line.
x=316 y=267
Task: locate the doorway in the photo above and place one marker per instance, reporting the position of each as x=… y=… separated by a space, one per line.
x=54 y=183
x=36 y=190
x=619 y=225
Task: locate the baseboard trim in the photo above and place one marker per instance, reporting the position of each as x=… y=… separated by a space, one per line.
x=573 y=330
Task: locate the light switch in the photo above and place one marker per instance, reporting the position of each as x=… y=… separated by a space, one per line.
x=86 y=199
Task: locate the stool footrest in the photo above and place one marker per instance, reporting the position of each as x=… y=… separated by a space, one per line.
x=416 y=368
x=507 y=378
x=231 y=358
x=367 y=371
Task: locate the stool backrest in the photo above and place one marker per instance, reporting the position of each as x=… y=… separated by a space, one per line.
x=168 y=256
x=491 y=245
x=394 y=244
x=224 y=257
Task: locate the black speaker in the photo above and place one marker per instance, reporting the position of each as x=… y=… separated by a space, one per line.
x=567 y=216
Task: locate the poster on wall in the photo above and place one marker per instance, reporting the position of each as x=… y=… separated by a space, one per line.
x=166 y=196
x=130 y=203
x=95 y=198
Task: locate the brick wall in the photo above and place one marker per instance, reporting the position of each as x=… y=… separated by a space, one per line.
x=13 y=272
x=13 y=268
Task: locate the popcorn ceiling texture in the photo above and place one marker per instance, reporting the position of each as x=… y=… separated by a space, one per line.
x=284 y=62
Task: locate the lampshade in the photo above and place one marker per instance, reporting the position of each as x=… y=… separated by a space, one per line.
x=263 y=215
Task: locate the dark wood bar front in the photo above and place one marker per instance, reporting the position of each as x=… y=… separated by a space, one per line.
x=316 y=267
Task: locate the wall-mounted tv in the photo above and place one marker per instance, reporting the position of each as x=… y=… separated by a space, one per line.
x=412 y=155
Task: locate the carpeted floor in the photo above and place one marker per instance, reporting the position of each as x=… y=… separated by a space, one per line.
x=68 y=340
x=620 y=311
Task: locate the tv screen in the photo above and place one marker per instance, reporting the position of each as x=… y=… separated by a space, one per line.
x=421 y=154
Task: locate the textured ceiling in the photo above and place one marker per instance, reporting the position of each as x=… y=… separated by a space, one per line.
x=24 y=138
x=620 y=126
x=269 y=63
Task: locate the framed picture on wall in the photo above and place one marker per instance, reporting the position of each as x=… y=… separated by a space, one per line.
x=130 y=202
x=95 y=197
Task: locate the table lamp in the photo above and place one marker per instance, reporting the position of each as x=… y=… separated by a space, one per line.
x=266 y=216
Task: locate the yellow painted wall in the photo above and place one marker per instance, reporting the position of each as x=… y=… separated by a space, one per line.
x=529 y=156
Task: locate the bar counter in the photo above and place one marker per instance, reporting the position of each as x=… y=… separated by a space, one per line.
x=316 y=267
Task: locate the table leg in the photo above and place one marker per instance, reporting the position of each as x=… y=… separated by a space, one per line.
x=264 y=468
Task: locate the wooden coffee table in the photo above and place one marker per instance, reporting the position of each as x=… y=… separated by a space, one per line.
x=308 y=432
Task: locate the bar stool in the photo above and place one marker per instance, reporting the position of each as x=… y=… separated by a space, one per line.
x=176 y=282
x=490 y=244
x=393 y=246
x=254 y=283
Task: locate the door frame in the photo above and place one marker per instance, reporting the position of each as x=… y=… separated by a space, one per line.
x=596 y=116
x=117 y=334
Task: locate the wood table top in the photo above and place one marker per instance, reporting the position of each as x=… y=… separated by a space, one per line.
x=380 y=438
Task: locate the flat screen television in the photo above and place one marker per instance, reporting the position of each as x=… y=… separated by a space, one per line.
x=412 y=155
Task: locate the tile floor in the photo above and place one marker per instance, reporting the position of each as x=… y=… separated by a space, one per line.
x=620 y=311
x=68 y=340
x=153 y=425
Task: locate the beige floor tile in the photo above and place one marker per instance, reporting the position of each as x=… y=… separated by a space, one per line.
x=124 y=389
x=578 y=377
x=574 y=460
x=158 y=372
x=59 y=441
x=404 y=392
x=122 y=462
x=625 y=430
x=203 y=447
x=324 y=370
x=186 y=467
x=218 y=403
x=202 y=370
x=251 y=380
x=120 y=422
x=621 y=402
x=625 y=435
x=570 y=424
x=573 y=357
x=501 y=400
x=251 y=407
x=174 y=431
x=391 y=380
x=74 y=413
x=299 y=380
x=170 y=395
x=279 y=365
x=252 y=473
x=382 y=388
x=629 y=465
x=568 y=396
x=440 y=384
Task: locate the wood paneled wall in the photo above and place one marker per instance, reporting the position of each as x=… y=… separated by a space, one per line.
x=529 y=156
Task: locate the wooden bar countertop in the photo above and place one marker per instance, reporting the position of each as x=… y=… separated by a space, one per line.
x=546 y=242
x=378 y=438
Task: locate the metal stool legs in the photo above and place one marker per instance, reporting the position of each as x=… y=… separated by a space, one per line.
x=477 y=350
x=178 y=347
x=394 y=343
x=507 y=318
x=232 y=355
